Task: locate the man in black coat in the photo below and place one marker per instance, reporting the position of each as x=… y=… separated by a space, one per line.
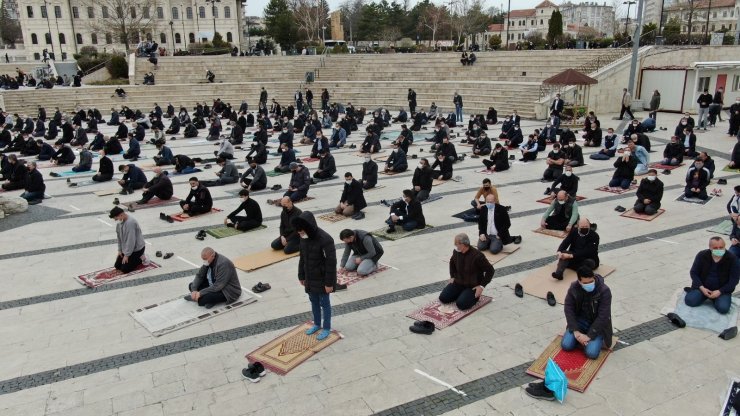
x=422 y=180
x=317 y=271
x=714 y=276
x=649 y=194
x=493 y=227
x=407 y=212
x=199 y=199
x=412 y=100
x=327 y=166
x=160 y=186
x=579 y=248
x=251 y=208
x=567 y=181
x=369 y=173
x=288 y=241
x=18 y=175
x=35 y=187
x=352 y=201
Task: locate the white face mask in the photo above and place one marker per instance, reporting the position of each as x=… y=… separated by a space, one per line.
x=457 y=249
x=348 y=181
x=193 y=187
x=303 y=236
x=568 y=173
x=205 y=263
x=367 y=159
x=627 y=153
x=652 y=178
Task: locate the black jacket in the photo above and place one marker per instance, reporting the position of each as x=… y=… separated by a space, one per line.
x=652 y=190
x=251 y=209
x=286 y=222
x=500 y=220
x=581 y=247
x=729 y=271
x=674 y=150
x=595 y=307
x=568 y=184
x=411 y=210
x=445 y=167
x=625 y=170
x=161 y=186
x=19 y=173
x=328 y=165
x=370 y=173
x=317 y=266
x=106 y=166
x=200 y=195
x=352 y=195
x=423 y=179
x=35 y=182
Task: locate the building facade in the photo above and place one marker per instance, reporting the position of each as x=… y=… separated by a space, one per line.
x=599 y=17
x=63 y=27
x=522 y=23
x=704 y=15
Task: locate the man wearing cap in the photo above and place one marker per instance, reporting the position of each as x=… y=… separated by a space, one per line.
x=300 y=181
x=131 y=244
x=215 y=282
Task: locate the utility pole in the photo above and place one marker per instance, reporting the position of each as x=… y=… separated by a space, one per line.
x=508 y=17
x=182 y=16
x=706 y=27
x=635 y=48
x=48 y=25
x=691 y=16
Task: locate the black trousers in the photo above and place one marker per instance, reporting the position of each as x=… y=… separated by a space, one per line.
x=208 y=298
x=134 y=261
x=242 y=223
x=195 y=208
x=558 y=222
x=102 y=178
x=626 y=109
x=146 y=196
x=292 y=247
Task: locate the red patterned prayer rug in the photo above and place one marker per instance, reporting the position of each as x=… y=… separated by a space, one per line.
x=110 y=274
x=445 y=315
x=579 y=369
x=350 y=278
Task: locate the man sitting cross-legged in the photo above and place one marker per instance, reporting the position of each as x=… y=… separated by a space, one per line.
x=253 y=217
x=493 y=226
x=407 y=212
x=579 y=248
x=714 y=276
x=470 y=272
x=562 y=213
x=160 y=186
x=215 y=282
x=362 y=251
x=199 y=199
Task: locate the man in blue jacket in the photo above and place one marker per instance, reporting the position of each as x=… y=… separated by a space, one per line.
x=133 y=178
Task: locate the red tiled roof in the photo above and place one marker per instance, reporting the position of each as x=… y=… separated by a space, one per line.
x=496 y=27
x=523 y=13
x=546 y=3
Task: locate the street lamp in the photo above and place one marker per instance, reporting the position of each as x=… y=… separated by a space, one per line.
x=56 y=20
x=197 y=19
x=48 y=25
x=213 y=12
x=627 y=23
x=185 y=38
x=172 y=34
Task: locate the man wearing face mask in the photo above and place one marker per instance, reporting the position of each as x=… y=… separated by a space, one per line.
x=445 y=168
x=567 y=182
x=35 y=187
x=649 y=194
x=369 y=173
x=573 y=154
x=493 y=227
x=286 y=137
x=470 y=272
x=514 y=137
x=396 y=162
x=288 y=241
x=587 y=310
x=216 y=281
x=610 y=146
x=673 y=153
x=498 y=161
x=624 y=171
x=555 y=161
x=258 y=180
x=407 y=212
x=338 y=136
x=317 y=271
x=199 y=199
x=714 y=276
x=422 y=180
x=579 y=248
x=253 y=214
x=130 y=239
x=327 y=166
x=352 y=201
x=367 y=252
x=562 y=213
x=697 y=180
x=160 y=186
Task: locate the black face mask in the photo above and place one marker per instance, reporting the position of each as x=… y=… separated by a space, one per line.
x=583 y=231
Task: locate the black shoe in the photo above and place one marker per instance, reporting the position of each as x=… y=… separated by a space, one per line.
x=163 y=216
x=188 y=298
x=539 y=391
x=116 y=201
x=729 y=333
x=258 y=368
x=54 y=174
x=158 y=254
x=391 y=230
x=619 y=208
x=72 y=184
x=340 y=286
x=141 y=202
x=551 y=299
x=557 y=275
x=722 y=182
x=70 y=181
x=517 y=239
x=208 y=305
x=250 y=375
x=229 y=225
x=360 y=215
x=547 y=191
x=34 y=202
x=519 y=291
x=676 y=320
x=426 y=328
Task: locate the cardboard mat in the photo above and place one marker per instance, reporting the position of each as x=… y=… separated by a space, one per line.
x=399 y=234
x=105 y=276
x=540 y=281
x=548 y=200
x=445 y=315
x=724 y=228
x=185 y=217
x=579 y=369
x=349 y=278
x=551 y=233
x=618 y=191
x=223 y=232
x=289 y=350
x=630 y=213
x=704 y=316
x=261 y=259
x=332 y=217
x=173 y=314
x=154 y=202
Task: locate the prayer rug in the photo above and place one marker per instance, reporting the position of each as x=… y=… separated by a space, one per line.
x=184 y=217
x=445 y=315
x=724 y=228
x=374 y=188
x=551 y=233
x=630 y=213
x=261 y=259
x=388 y=173
x=436 y=182
x=540 y=281
x=372 y=155
x=660 y=166
x=308 y=198
x=110 y=274
x=579 y=369
x=464 y=214
x=618 y=191
x=399 y=234
x=273 y=173
x=223 y=232
x=350 y=278
x=731 y=170
x=291 y=349
x=73 y=173
x=484 y=171
x=309 y=159
x=697 y=201
x=154 y=202
x=170 y=315
x=732 y=393
x=333 y=217
x=106 y=192
x=548 y=200
x=703 y=316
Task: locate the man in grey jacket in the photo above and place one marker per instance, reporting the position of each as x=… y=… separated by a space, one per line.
x=227 y=175
x=300 y=181
x=131 y=244
x=367 y=252
x=215 y=282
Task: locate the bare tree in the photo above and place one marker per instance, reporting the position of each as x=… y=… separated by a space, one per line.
x=126 y=20
x=390 y=34
x=310 y=16
x=433 y=18
x=351 y=13
x=618 y=10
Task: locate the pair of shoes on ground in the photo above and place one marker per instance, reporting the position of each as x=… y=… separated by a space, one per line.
x=254 y=372
x=323 y=333
x=261 y=287
x=201 y=235
x=422 y=327
x=620 y=208
x=358 y=216
x=165 y=256
x=165 y=217
x=538 y=390
x=716 y=192
x=517 y=239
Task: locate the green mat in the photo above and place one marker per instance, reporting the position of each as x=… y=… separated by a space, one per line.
x=223 y=232
x=731 y=170
x=399 y=234
x=725 y=228
x=273 y=173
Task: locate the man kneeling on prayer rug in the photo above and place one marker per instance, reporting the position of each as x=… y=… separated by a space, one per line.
x=470 y=272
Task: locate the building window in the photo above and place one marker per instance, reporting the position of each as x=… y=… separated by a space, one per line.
x=175 y=13
x=702 y=84
x=229 y=38
x=541 y=22
x=105 y=12
x=724 y=13
x=94 y=38
x=34 y=39
x=108 y=38
x=133 y=13
x=735 y=82
x=149 y=37
x=47 y=38
x=90 y=12
x=36 y=56
x=202 y=12
x=215 y=12
x=177 y=38
x=44 y=15
x=162 y=38
x=79 y=39
x=189 y=13
x=145 y=12
x=119 y=12
x=191 y=37
x=712 y=27
x=227 y=12
x=62 y=39
x=76 y=12
x=58 y=12
x=160 y=13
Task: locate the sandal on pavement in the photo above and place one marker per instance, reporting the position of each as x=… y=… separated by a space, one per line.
x=261 y=287
x=168 y=255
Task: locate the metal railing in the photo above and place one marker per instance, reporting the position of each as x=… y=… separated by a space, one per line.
x=96 y=67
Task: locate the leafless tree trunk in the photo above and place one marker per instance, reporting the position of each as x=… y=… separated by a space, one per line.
x=127 y=20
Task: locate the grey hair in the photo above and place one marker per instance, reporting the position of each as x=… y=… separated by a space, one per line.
x=207 y=252
x=463 y=239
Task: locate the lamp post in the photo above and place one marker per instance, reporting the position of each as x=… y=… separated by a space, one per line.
x=172 y=34
x=691 y=16
x=197 y=20
x=213 y=12
x=48 y=25
x=508 y=21
x=323 y=33
x=182 y=17
x=706 y=27
x=56 y=21
x=627 y=23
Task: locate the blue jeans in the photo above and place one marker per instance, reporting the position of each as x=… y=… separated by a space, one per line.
x=458 y=113
x=406 y=224
x=696 y=298
x=32 y=196
x=320 y=304
x=592 y=349
x=493 y=244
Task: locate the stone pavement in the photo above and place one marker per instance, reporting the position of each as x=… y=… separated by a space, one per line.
x=70 y=350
